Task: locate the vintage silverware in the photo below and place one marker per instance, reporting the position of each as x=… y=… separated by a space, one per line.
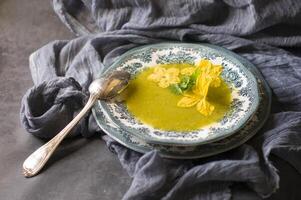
x=105 y=88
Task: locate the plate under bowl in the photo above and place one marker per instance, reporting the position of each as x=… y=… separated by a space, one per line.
x=190 y=152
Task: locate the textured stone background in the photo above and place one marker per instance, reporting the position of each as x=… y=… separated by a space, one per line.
x=81 y=169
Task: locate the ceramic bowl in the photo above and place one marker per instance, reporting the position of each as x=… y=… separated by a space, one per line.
x=242 y=83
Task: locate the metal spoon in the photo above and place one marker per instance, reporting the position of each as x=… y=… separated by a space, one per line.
x=104 y=88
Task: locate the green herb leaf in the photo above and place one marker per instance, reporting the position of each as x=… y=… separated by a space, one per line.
x=192 y=79
x=190 y=84
x=195 y=75
x=184 y=82
x=176 y=89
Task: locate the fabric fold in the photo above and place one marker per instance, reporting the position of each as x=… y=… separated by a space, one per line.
x=63 y=70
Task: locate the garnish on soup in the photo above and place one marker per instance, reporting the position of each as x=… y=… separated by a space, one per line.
x=165 y=77
x=191 y=82
x=179 y=97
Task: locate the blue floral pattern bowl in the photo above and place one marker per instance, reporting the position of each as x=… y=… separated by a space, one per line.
x=243 y=85
x=189 y=152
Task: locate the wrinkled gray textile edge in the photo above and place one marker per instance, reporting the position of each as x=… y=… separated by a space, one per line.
x=62 y=71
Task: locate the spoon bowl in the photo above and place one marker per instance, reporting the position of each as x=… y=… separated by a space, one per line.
x=104 y=88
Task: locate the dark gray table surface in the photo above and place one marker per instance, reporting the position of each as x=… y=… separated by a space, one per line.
x=82 y=169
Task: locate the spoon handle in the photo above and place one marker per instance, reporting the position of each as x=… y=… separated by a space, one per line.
x=35 y=162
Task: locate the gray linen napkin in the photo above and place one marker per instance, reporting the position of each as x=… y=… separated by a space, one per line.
x=257 y=30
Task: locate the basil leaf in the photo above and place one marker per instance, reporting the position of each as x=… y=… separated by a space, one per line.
x=176 y=89
x=195 y=74
x=190 y=84
x=185 y=80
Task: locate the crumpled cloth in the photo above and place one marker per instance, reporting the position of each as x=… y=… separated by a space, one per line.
x=267 y=33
